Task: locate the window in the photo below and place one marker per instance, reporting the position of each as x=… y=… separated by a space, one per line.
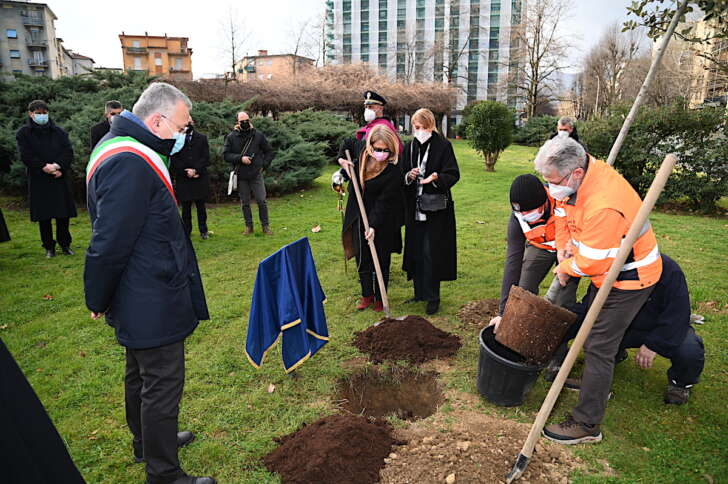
x=136 y=43
x=15 y=54
x=178 y=64
x=17 y=71
x=158 y=61
x=11 y=33
x=137 y=63
x=383 y=36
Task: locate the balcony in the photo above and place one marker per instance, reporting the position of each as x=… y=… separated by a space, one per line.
x=173 y=70
x=180 y=52
x=37 y=63
x=33 y=21
x=136 y=50
x=36 y=43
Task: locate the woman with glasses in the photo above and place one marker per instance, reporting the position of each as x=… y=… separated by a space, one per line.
x=373 y=164
x=429 y=170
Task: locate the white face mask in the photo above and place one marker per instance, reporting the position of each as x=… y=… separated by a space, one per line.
x=563 y=134
x=423 y=135
x=532 y=217
x=560 y=192
x=369 y=115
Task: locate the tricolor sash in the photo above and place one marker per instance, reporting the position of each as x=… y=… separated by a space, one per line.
x=126 y=144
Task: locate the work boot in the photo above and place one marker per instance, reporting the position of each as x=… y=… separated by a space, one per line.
x=267 y=230
x=572 y=432
x=365 y=302
x=183 y=438
x=676 y=395
x=50 y=253
x=378 y=306
x=205 y=236
x=248 y=230
x=67 y=251
x=432 y=306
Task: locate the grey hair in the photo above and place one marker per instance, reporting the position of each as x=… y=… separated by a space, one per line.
x=159 y=97
x=563 y=154
x=566 y=121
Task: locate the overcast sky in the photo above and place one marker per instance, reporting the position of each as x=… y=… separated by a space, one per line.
x=91 y=27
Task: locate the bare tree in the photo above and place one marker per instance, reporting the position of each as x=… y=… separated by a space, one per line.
x=235 y=36
x=542 y=52
x=304 y=42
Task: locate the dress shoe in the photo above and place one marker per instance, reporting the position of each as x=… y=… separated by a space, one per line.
x=67 y=251
x=248 y=230
x=378 y=306
x=184 y=438
x=205 y=236
x=50 y=253
x=193 y=480
x=364 y=303
x=432 y=306
x=267 y=230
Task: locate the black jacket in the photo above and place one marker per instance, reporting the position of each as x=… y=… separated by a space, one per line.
x=4 y=233
x=38 y=145
x=98 y=131
x=439 y=225
x=195 y=154
x=141 y=269
x=383 y=204
x=664 y=319
x=259 y=151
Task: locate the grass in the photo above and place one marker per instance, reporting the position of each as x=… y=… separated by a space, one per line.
x=76 y=366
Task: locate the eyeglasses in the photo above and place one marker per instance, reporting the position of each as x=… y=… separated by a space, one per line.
x=562 y=179
x=183 y=129
x=381 y=150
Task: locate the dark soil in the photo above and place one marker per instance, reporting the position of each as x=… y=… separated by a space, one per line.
x=333 y=450
x=413 y=339
x=479 y=313
x=398 y=391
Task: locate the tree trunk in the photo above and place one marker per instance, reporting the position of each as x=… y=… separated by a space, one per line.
x=490 y=159
x=532 y=326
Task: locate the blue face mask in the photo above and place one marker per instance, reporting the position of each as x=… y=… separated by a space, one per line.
x=40 y=118
x=179 y=142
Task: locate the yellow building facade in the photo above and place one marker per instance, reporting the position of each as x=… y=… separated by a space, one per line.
x=163 y=56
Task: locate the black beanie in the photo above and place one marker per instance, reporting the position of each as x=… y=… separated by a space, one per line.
x=527 y=193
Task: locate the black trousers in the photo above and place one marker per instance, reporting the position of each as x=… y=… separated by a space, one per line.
x=153 y=389
x=63 y=235
x=427 y=287
x=367 y=274
x=201 y=215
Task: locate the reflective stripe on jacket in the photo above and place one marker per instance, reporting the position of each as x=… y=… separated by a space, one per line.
x=596 y=220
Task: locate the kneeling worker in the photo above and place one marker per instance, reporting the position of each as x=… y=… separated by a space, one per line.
x=532 y=243
x=662 y=327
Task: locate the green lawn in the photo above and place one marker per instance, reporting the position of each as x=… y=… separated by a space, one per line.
x=76 y=366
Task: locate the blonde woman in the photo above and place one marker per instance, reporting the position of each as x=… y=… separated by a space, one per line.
x=429 y=170
x=375 y=161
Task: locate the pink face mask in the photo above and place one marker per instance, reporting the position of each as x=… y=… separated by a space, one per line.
x=380 y=156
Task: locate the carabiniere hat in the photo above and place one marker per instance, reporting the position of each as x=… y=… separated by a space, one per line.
x=371 y=97
x=527 y=193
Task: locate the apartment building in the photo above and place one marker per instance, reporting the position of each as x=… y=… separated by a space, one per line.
x=158 y=55
x=466 y=43
x=264 y=66
x=709 y=81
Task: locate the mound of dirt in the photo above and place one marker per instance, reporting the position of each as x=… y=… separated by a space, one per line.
x=332 y=450
x=413 y=339
x=475 y=449
x=479 y=313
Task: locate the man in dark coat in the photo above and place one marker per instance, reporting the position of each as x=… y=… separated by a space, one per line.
x=141 y=272
x=99 y=130
x=192 y=183
x=430 y=244
x=31 y=449
x=249 y=153
x=4 y=233
x=46 y=151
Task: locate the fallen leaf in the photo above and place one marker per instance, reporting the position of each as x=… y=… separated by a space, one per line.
x=316 y=229
x=4 y=326
x=47 y=297
x=450 y=479
x=271 y=388
x=481 y=222
x=82 y=354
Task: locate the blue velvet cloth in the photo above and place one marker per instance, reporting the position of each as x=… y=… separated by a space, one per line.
x=288 y=304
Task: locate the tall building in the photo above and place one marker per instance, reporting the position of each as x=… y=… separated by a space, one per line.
x=466 y=43
x=28 y=43
x=709 y=81
x=158 y=55
x=271 y=66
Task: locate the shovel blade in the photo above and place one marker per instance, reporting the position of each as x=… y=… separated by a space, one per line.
x=518 y=468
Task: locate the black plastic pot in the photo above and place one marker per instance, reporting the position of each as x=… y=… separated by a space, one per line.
x=503 y=377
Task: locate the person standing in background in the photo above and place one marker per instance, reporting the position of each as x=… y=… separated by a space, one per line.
x=46 y=151
x=99 y=130
x=192 y=183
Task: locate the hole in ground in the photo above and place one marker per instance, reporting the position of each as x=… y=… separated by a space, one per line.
x=398 y=391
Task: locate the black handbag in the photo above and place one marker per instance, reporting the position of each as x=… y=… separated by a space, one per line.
x=431 y=202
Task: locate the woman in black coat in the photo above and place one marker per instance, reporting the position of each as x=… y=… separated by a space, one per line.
x=4 y=233
x=192 y=183
x=46 y=151
x=429 y=171
x=379 y=180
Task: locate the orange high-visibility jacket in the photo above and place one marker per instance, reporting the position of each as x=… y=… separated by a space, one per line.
x=541 y=233
x=595 y=220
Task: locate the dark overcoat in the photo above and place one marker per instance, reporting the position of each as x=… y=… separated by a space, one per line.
x=98 y=131
x=141 y=269
x=4 y=233
x=49 y=197
x=384 y=206
x=440 y=225
x=195 y=154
